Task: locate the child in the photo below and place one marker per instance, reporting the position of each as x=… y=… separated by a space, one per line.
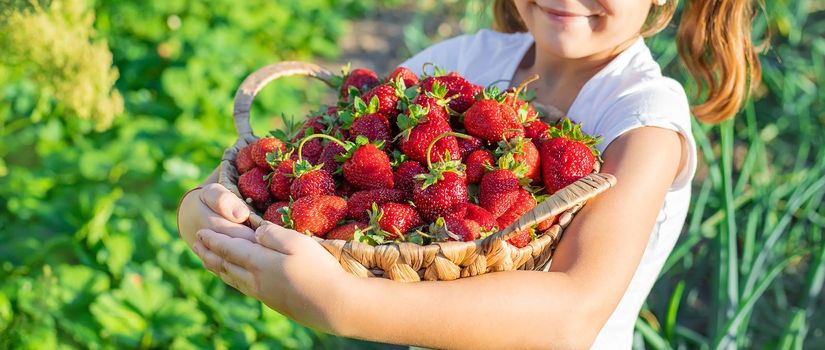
x=595 y=66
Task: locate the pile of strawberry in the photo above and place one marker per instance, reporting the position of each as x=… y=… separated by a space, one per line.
x=418 y=159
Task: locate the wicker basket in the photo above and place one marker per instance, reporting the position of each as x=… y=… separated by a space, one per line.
x=408 y=261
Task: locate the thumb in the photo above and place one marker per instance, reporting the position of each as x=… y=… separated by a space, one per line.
x=224 y=203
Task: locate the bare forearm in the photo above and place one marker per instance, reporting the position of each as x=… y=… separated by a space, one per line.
x=501 y=310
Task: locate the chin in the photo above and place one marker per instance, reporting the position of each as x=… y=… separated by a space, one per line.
x=564 y=47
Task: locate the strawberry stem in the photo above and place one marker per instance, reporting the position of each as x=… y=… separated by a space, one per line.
x=424 y=68
x=315 y=136
x=523 y=85
x=439 y=137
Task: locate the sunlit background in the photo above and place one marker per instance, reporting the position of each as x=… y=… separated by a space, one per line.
x=110 y=110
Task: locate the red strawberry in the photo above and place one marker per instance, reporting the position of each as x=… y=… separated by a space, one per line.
x=361 y=202
x=477 y=163
x=526 y=113
x=244 y=161
x=537 y=131
x=521 y=239
x=418 y=131
x=434 y=100
x=546 y=224
x=263 y=146
x=252 y=187
x=498 y=191
x=405 y=175
x=311 y=152
x=567 y=157
x=459 y=89
x=492 y=121
x=328 y=155
x=467 y=230
x=440 y=198
x=523 y=203
x=374 y=127
x=405 y=74
x=360 y=78
x=274 y=213
x=310 y=180
x=481 y=216
x=316 y=214
x=442 y=192
x=387 y=99
x=366 y=166
x=469 y=145
x=345 y=190
x=519 y=150
x=434 y=108
x=394 y=219
x=345 y=232
x=281 y=180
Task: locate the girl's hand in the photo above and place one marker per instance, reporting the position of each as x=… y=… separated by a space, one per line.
x=288 y=271
x=213 y=207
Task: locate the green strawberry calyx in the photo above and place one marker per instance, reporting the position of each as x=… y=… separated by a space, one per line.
x=350 y=147
x=573 y=132
x=359 y=109
x=406 y=122
x=446 y=165
x=303 y=167
x=375 y=215
x=493 y=93
x=277 y=156
x=286 y=215
x=508 y=162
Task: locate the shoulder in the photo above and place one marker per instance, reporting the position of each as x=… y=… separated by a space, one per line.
x=630 y=91
x=464 y=52
x=633 y=94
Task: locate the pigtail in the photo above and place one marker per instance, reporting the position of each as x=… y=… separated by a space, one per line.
x=714 y=42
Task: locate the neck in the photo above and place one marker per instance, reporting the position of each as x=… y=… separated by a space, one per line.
x=565 y=75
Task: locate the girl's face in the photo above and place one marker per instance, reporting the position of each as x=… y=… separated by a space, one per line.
x=581 y=28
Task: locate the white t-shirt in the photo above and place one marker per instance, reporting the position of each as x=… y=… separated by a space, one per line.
x=630 y=92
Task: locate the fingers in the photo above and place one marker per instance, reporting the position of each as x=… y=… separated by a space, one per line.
x=237 y=251
x=233 y=275
x=281 y=239
x=221 y=225
x=224 y=203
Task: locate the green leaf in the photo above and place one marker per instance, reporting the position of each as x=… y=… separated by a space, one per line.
x=6 y=313
x=118 y=320
x=179 y=318
x=117 y=253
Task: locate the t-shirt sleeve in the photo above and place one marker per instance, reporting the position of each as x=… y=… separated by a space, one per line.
x=659 y=103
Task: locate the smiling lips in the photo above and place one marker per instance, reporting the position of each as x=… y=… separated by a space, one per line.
x=563 y=17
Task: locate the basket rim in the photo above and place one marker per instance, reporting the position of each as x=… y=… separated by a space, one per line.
x=464 y=256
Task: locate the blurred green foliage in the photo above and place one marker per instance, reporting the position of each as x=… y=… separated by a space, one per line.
x=89 y=254
x=90 y=174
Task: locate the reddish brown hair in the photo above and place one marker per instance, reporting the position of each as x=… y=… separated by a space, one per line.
x=714 y=42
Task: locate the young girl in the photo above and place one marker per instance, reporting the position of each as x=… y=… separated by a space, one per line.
x=595 y=67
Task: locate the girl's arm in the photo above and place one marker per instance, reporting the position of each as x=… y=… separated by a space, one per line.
x=564 y=308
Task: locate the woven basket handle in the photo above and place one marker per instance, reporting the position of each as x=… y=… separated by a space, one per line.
x=257 y=80
x=577 y=192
